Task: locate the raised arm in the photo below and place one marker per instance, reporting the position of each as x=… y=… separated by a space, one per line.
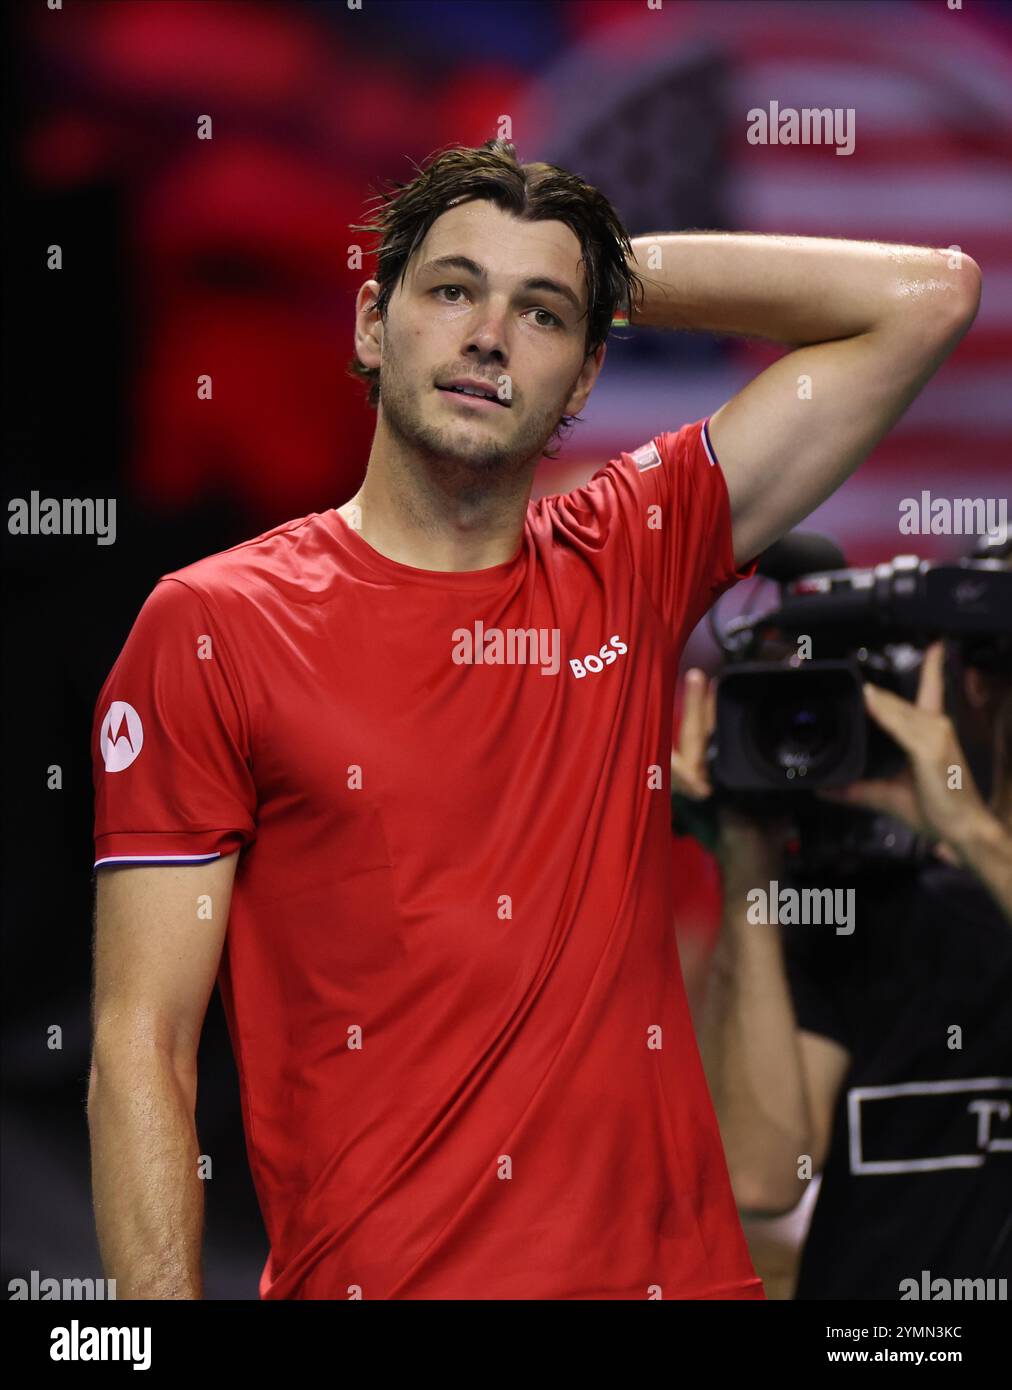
x=774 y=1085
x=156 y=958
x=869 y=325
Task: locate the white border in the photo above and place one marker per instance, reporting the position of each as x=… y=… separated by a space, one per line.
x=918 y=1088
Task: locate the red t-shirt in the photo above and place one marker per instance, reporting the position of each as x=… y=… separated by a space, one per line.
x=450 y=974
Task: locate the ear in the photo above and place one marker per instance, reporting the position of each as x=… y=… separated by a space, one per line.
x=584 y=384
x=368 y=325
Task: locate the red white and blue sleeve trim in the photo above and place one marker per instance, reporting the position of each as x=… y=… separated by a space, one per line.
x=707 y=444
x=158 y=858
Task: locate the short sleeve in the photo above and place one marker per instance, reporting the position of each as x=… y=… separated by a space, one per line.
x=673 y=498
x=171 y=758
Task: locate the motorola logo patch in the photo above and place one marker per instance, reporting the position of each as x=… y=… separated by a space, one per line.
x=122 y=736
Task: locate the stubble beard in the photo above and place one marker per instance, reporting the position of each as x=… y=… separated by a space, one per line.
x=462 y=446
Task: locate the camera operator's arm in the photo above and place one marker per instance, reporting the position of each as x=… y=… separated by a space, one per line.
x=774 y=1086
x=869 y=324
x=936 y=795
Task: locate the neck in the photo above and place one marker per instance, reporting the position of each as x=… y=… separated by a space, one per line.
x=438 y=514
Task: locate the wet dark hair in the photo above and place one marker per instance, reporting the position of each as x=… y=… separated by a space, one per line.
x=531 y=192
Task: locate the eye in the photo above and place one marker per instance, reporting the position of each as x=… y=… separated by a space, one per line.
x=556 y=322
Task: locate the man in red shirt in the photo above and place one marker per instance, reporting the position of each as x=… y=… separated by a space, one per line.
x=413 y=753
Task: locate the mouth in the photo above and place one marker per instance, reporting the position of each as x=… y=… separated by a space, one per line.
x=471 y=398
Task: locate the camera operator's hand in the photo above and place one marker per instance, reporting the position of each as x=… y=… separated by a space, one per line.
x=743 y=841
x=921 y=795
x=689 y=776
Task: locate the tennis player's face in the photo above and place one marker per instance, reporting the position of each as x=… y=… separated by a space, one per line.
x=492 y=299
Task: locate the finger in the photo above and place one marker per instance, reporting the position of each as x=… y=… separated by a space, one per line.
x=692 y=739
x=931 y=687
x=688 y=779
x=892 y=713
x=872 y=795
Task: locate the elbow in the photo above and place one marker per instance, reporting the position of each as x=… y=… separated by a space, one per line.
x=98 y=1075
x=769 y=1183
x=756 y=1195
x=934 y=306
x=130 y=1063
x=954 y=299
x=966 y=288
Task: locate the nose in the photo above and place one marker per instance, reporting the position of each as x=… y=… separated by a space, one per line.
x=486 y=338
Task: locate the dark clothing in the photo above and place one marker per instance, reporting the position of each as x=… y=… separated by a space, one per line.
x=919 y=1171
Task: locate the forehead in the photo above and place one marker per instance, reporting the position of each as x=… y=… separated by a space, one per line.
x=510 y=249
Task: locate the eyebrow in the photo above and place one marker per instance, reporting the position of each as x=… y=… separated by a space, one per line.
x=479 y=272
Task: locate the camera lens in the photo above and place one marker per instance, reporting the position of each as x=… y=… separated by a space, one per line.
x=789 y=729
x=798 y=733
